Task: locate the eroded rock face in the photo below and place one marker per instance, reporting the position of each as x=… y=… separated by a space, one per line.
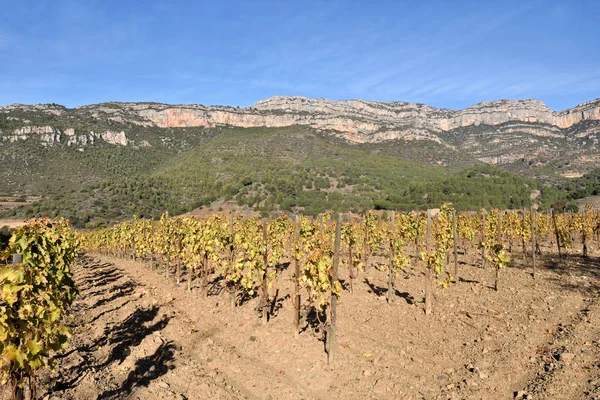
x=54 y=109
x=515 y=132
x=356 y=120
x=114 y=137
x=49 y=136
x=423 y=116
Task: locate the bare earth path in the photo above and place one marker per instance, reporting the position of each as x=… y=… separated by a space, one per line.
x=137 y=334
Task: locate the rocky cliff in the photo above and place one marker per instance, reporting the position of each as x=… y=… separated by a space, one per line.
x=512 y=133
x=356 y=120
x=359 y=120
x=49 y=135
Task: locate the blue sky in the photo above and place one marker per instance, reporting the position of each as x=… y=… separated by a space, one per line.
x=445 y=53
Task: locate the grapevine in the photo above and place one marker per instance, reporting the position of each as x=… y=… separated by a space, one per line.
x=35 y=297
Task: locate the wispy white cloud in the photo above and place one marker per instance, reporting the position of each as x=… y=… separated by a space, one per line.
x=432 y=52
x=456 y=35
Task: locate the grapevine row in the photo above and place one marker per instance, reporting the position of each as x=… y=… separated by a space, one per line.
x=241 y=255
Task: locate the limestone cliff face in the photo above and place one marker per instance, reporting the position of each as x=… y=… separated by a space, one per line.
x=355 y=120
x=49 y=136
x=113 y=137
x=423 y=116
x=519 y=133
x=54 y=109
x=586 y=111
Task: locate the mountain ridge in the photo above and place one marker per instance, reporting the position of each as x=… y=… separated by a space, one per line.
x=114 y=160
x=513 y=133
x=485 y=102
x=354 y=120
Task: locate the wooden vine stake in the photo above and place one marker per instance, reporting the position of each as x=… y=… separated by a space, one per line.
x=455 y=243
x=296 y=263
x=190 y=271
x=178 y=271
x=265 y=287
x=233 y=292
x=483 y=237
x=391 y=262
x=366 y=244
x=331 y=339
x=167 y=261
x=583 y=235
x=524 y=224
x=347 y=218
x=596 y=217
x=415 y=214
x=533 y=240
x=202 y=268
x=556 y=233
x=133 y=255
x=428 y=273
x=19 y=393
x=499 y=240
x=17 y=259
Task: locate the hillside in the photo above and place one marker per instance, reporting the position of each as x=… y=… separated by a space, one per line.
x=514 y=133
x=110 y=161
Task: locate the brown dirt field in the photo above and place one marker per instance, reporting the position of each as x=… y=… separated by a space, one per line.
x=594 y=201
x=11 y=223
x=137 y=334
x=220 y=205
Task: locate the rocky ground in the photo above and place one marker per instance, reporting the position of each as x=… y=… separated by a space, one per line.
x=11 y=223
x=139 y=335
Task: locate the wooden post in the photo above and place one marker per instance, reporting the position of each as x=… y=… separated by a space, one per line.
x=499 y=240
x=523 y=224
x=455 y=240
x=265 y=288
x=297 y=282
x=428 y=272
x=415 y=214
x=597 y=231
x=483 y=237
x=133 y=255
x=556 y=232
x=533 y=244
x=350 y=263
x=391 y=261
x=367 y=247
x=168 y=261
x=189 y=278
x=233 y=293
x=17 y=258
x=331 y=339
x=19 y=393
x=584 y=250
x=205 y=274
x=179 y=249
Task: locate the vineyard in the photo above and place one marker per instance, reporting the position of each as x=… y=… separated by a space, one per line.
x=245 y=254
x=37 y=292
x=433 y=304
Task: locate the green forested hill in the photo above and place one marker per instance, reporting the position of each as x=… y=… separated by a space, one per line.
x=264 y=169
